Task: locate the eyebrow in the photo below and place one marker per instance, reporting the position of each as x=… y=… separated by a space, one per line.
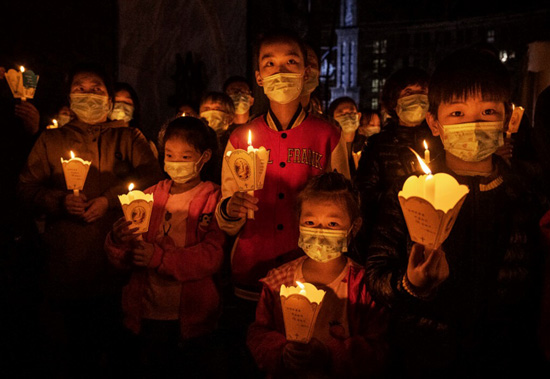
x=291 y=53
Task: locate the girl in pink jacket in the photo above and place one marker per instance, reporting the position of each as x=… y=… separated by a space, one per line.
x=171 y=300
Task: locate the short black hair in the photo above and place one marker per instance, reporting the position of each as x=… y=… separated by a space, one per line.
x=331 y=186
x=336 y=102
x=235 y=79
x=467 y=72
x=92 y=68
x=278 y=35
x=397 y=82
x=219 y=97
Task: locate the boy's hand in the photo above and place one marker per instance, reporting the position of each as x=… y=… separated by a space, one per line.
x=427 y=268
x=121 y=233
x=239 y=203
x=75 y=205
x=298 y=356
x=143 y=253
x=95 y=209
x=506 y=150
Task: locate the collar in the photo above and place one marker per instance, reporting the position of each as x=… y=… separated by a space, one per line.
x=296 y=120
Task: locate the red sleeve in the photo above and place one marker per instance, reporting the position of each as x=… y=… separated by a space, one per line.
x=193 y=262
x=265 y=342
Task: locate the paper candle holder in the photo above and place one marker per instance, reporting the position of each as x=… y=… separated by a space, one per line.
x=515 y=120
x=430 y=221
x=137 y=207
x=22 y=84
x=248 y=167
x=300 y=305
x=75 y=171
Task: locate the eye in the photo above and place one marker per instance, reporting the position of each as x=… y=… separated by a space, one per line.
x=333 y=224
x=268 y=64
x=292 y=61
x=489 y=112
x=457 y=114
x=309 y=223
x=168 y=155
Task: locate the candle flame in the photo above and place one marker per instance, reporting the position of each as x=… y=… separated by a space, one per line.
x=425 y=145
x=130 y=187
x=72 y=154
x=302 y=288
x=54 y=121
x=183 y=114
x=22 y=69
x=249 y=137
x=423 y=164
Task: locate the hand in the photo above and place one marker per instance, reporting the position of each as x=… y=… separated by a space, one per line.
x=506 y=150
x=95 y=209
x=30 y=116
x=427 y=268
x=299 y=356
x=75 y=205
x=143 y=253
x=239 y=204
x=121 y=233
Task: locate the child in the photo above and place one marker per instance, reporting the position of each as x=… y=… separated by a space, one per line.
x=348 y=335
x=344 y=111
x=171 y=291
x=219 y=112
x=238 y=89
x=469 y=308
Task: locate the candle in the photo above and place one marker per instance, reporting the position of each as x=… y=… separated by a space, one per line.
x=251 y=149
x=515 y=120
x=75 y=171
x=429 y=182
x=137 y=207
x=22 y=70
x=426 y=153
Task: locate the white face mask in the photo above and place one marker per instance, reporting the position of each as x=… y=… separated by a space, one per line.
x=241 y=103
x=283 y=87
x=323 y=245
x=412 y=109
x=122 y=111
x=90 y=108
x=63 y=119
x=369 y=130
x=473 y=141
x=183 y=172
x=217 y=120
x=311 y=82
x=349 y=122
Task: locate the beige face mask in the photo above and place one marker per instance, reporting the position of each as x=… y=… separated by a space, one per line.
x=90 y=108
x=283 y=87
x=323 y=245
x=473 y=141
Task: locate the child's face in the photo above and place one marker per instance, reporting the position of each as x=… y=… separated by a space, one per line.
x=413 y=89
x=124 y=96
x=210 y=105
x=178 y=150
x=325 y=215
x=461 y=111
x=345 y=108
x=279 y=57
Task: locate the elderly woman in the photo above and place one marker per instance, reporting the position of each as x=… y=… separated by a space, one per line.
x=80 y=290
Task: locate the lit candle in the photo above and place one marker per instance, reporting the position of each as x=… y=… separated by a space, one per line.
x=137 y=207
x=426 y=153
x=429 y=182
x=22 y=70
x=75 y=171
x=251 y=149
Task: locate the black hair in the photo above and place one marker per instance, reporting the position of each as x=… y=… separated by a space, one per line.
x=122 y=86
x=397 y=82
x=336 y=102
x=367 y=114
x=331 y=186
x=278 y=35
x=92 y=68
x=219 y=97
x=235 y=79
x=197 y=134
x=467 y=72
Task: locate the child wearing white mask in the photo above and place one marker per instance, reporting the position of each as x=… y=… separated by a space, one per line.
x=348 y=336
x=171 y=291
x=218 y=110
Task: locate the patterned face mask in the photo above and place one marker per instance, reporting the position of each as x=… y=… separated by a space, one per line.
x=217 y=120
x=348 y=121
x=183 y=172
x=412 y=109
x=473 y=141
x=283 y=87
x=90 y=108
x=323 y=245
x=241 y=103
x=122 y=111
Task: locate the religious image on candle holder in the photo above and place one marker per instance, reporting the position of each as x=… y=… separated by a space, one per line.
x=430 y=205
x=22 y=83
x=75 y=171
x=137 y=207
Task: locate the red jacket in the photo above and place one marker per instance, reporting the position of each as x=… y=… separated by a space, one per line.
x=360 y=355
x=195 y=265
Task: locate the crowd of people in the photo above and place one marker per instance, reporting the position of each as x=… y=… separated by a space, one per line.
x=198 y=294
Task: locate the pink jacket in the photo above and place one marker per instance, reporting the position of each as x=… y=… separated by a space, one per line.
x=361 y=355
x=195 y=265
